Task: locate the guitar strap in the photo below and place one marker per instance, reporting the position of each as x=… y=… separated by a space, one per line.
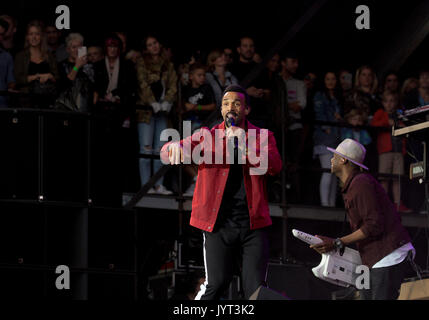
x=343 y=228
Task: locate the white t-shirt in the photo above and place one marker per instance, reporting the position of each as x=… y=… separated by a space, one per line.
x=396 y=257
x=296 y=91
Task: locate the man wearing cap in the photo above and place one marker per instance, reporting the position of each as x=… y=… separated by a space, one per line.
x=383 y=243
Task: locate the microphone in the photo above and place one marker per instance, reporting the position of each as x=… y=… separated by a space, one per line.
x=229 y=121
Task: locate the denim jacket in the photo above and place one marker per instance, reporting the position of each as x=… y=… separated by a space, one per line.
x=324 y=110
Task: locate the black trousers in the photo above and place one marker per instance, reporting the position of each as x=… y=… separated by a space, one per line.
x=221 y=248
x=385 y=283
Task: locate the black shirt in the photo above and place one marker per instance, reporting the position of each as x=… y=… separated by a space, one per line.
x=233 y=211
x=202 y=95
x=35 y=68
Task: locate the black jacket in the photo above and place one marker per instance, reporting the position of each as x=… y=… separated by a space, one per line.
x=127 y=81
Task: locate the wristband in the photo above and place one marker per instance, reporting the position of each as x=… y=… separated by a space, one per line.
x=199 y=107
x=339 y=245
x=75 y=68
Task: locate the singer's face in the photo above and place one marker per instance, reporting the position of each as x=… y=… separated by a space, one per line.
x=235 y=103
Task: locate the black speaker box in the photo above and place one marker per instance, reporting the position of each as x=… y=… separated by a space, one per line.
x=263 y=293
x=19 y=163
x=297 y=282
x=65 y=158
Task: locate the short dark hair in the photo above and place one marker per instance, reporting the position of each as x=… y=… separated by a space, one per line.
x=197 y=66
x=240 y=89
x=115 y=37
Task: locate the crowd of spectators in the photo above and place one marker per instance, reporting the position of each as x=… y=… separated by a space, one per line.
x=146 y=90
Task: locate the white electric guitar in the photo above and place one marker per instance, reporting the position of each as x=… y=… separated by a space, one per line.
x=334 y=268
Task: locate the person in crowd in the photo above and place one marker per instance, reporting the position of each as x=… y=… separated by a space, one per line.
x=198 y=102
x=7 y=78
x=355 y=118
x=95 y=54
x=36 y=69
x=55 y=46
x=115 y=79
x=364 y=94
x=189 y=58
x=257 y=58
x=229 y=56
x=346 y=80
x=390 y=83
x=391 y=149
x=157 y=80
x=124 y=41
x=8 y=41
x=230 y=205
x=76 y=84
x=408 y=86
x=327 y=108
x=296 y=98
x=198 y=97
x=310 y=81
x=419 y=96
x=218 y=76
x=365 y=97
x=384 y=244
x=257 y=88
x=274 y=102
x=133 y=56
x=270 y=75
x=115 y=99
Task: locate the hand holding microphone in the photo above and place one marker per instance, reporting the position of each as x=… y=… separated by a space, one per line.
x=234 y=132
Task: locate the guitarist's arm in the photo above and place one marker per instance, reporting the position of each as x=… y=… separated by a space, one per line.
x=353 y=237
x=328 y=243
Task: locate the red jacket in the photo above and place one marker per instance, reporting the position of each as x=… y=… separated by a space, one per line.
x=212 y=179
x=384 y=138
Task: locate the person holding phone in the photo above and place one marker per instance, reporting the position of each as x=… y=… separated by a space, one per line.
x=76 y=76
x=115 y=89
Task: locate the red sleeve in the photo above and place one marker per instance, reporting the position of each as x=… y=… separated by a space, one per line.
x=275 y=163
x=186 y=143
x=270 y=161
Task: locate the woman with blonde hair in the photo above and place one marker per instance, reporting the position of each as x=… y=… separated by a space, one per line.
x=364 y=94
x=36 y=69
x=366 y=79
x=218 y=75
x=409 y=85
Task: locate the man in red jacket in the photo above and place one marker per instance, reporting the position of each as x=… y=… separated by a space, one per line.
x=230 y=202
x=383 y=243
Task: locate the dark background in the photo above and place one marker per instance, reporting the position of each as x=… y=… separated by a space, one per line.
x=329 y=41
